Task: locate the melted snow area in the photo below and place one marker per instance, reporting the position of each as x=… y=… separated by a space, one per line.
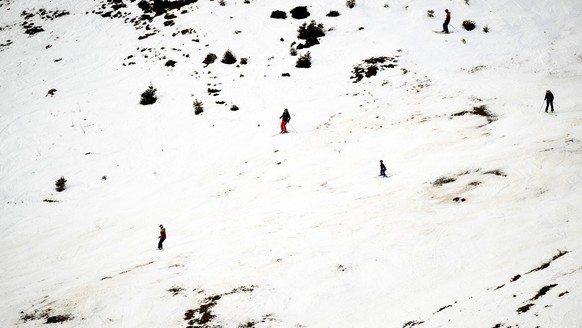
x=478 y=223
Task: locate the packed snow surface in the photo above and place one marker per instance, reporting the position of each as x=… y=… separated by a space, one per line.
x=478 y=224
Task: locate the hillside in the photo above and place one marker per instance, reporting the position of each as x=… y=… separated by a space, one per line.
x=477 y=224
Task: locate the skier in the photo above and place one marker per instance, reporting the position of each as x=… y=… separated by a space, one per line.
x=162 y=237
x=447 y=21
x=382 y=169
x=285 y=118
x=549 y=100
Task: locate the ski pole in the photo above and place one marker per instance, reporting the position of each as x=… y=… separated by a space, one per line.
x=292 y=127
x=542 y=106
x=454 y=27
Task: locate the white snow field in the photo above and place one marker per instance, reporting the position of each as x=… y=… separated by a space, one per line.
x=478 y=224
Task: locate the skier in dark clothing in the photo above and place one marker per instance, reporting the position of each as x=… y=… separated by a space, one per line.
x=549 y=100
x=162 y=237
x=285 y=118
x=382 y=169
x=447 y=21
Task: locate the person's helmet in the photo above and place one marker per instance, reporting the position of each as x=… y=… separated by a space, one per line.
x=381 y=161
x=446 y=10
x=161 y=226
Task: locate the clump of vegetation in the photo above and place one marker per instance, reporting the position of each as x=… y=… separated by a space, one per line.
x=210 y=58
x=222 y=3
x=300 y=12
x=149 y=97
x=234 y=108
x=469 y=25
x=443 y=180
x=467 y=2
x=304 y=61
x=278 y=14
x=60 y=184
x=480 y=111
x=313 y=30
x=244 y=61
x=464 y=41
x=350 y=3
x=198 y=107
x=104 y=178
x=430 y=13
x=293 y=51
x=228 y=58
x=333 y=13
x=486 y=29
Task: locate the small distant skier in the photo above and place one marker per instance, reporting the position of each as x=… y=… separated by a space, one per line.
x=285 y=118
x=382 y=169
x=162 y=237
x=549 y=100
x=447 y=21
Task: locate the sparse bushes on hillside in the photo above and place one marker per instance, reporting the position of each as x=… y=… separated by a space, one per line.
x=293 y=51
x=486 y=29
x=304 y=61
x=430 y=13
x=60 y=184
x=234 y=108
x=244 y=61
x=351 y=3
x=469 y=25
x=149 y=97
x=228 y=58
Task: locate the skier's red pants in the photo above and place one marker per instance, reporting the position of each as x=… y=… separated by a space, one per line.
x=283 y=126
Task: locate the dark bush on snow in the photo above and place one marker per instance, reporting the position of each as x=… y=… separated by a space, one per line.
x=149 y=97
x=311 y=31
x=304 y=61
x=278 y=14
x=228 y=58
x=333 y=13
x=61 y=184
x=469 y=25
x=210 y=58
x=300 y=12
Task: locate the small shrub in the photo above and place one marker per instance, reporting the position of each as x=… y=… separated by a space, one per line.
x=61 y=184
x=313 y=30
x=333 y=13
x=351 y=3
x=293 y=51
x=228 y=58
x=149 y=97
x=304 y=61
x=234 y=108
x=467 y=2
x=210 y=58
x=244 y=61
x=469 y=25
x=198 y=107
x=430 y=13
x=278 y=14
x=300 y=12
x=464 y=41
x=486 y=29
x=104 y=177
x=222 y=3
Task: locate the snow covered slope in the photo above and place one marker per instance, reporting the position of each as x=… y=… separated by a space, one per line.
x=478 y=224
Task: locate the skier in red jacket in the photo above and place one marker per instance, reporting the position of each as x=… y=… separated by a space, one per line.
x=162 y=237
x=447 y=21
